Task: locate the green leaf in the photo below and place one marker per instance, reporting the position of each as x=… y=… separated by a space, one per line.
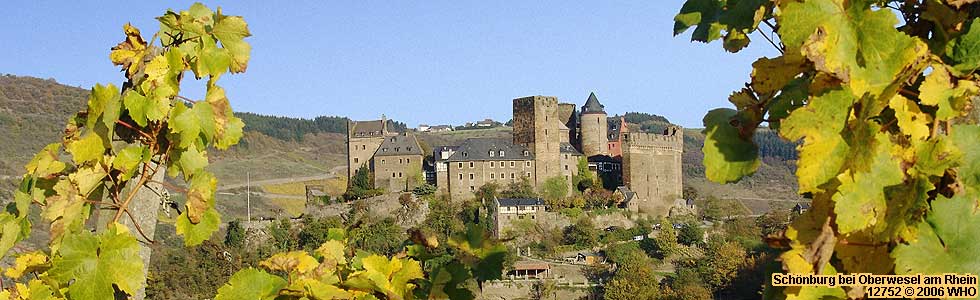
x=87 y=179
x=704 y=15
x=819 y=124
x=727 y=156
x=128 y=160
x=798 y=20
x=93 y=264
x=860 y=201
x=231 y=32
x=949 y=95
x=964 y=51
x=10 y=232
x=88 y=148
x=387 y=276
x=103 y=104
x=251 y=283
x=46 y=161
x=195 y=234
x=200 y=195
x=211 y=60
x=186 y=124
x=192 y=161
x=946 y=243
x=967 y=139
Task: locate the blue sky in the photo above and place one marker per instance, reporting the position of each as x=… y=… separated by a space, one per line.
x=429 y=62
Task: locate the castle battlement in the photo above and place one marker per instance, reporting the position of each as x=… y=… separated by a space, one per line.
x=671 y=138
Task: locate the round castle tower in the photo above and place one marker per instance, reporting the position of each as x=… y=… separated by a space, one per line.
x=594 y=127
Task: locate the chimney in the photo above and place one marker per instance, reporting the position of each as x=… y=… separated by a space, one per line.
x=384 y=125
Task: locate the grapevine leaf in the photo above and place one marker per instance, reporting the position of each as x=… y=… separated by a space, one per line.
x=819 y=124
x=332 y=251
x=935 y=156
x=790 y=98
x=186 y=124
x=94 y=264
x=232 y=133
x=251 y=283
x=860 y=201
x=200 y=195
x=967 y=137
x=798 y=20
x=965 y=49
x=195 y=234
x=884 y=52
x=87 y=179
x=27 y=262
x=448 y=282
x=735 y=41
x=231 y=31
x=701 y=14
x=103 y=103
x=294 y=261
x=129 y=53
x=88 y=148
x=816 y=292
x=911 y=120
x=388 y=276
x=743 y=15
x=205 y=119
x=192 y=161
x=46 y=161
x=770 y=75
x=938 y=90
x=10 y=231
x=212 y=61
x=946 y=243
x=228 y=128
x=320 y=290
x=128 y=159
x=743 y=99
x=480 y=252
x=65 y=210
x=727 y=156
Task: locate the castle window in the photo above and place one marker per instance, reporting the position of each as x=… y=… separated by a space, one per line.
x=460 y=176
x=511 y=175
x=501 y=175
x=400 y=160
x=528 y=174
x=355 y=160
x=527 y=164
x=566 y=167
x=471 y=165
x=491 y=153
x=491 y=176
x=408 y=160
x=459 y=166
x=464 y=154
x=526 y=153
x=566 y=156
x=397 y=149
x=471 y=176
x=472 y=188
x=511 y=164
x=382 y=161
x=501 y=164
x=363 y=147
x=384 y=149
x=399 y=174
x=491 y=164
x=501 y=153
x=392 y=174
x=408 y=149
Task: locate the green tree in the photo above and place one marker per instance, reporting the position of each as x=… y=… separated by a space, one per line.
x=544 y=290
x=235 y=234
x=315 y=231
x=554 y=190
x=634 y=278
x=582 y=234
x=666 y=240
x=383 y=237
x=690 y=234
x=519 y=189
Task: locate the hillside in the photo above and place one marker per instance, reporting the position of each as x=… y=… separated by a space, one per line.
x=33 y=111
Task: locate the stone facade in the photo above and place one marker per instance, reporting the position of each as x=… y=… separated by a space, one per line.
x=594 y=128
x=508 y=210
x=536 y=127
x=652 y=168
x=397 y=164
x=480 y=161
x=363 y=139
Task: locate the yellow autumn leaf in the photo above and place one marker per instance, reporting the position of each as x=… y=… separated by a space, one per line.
x=27 y=262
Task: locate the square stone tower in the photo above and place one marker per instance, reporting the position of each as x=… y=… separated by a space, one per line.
x=652 y=168
x=536 y=128
x=363 y=140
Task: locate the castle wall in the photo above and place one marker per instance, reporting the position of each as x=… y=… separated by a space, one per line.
x=465 y=177
x=593 y=135
x=569 y=116
x=396 y=173
x=360 y=151
x=536 y=128
x=652 y=169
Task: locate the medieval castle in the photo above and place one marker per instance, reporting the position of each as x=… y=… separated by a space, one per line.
x=549 y=138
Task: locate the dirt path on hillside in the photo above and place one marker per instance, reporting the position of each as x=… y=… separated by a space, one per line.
x=334 y=172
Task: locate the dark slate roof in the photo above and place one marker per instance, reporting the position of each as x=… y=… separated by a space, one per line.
x=367 y=128
x=402 y=144
x=479 y=149
x=592 y=105
x=568 y=148
x=520 y=201
x=602 y=158
x=627 y=193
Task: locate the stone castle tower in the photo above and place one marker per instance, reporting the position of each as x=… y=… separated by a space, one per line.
x=363 y=140
x=537 y=127
x=594 y=128
x=652 y=168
